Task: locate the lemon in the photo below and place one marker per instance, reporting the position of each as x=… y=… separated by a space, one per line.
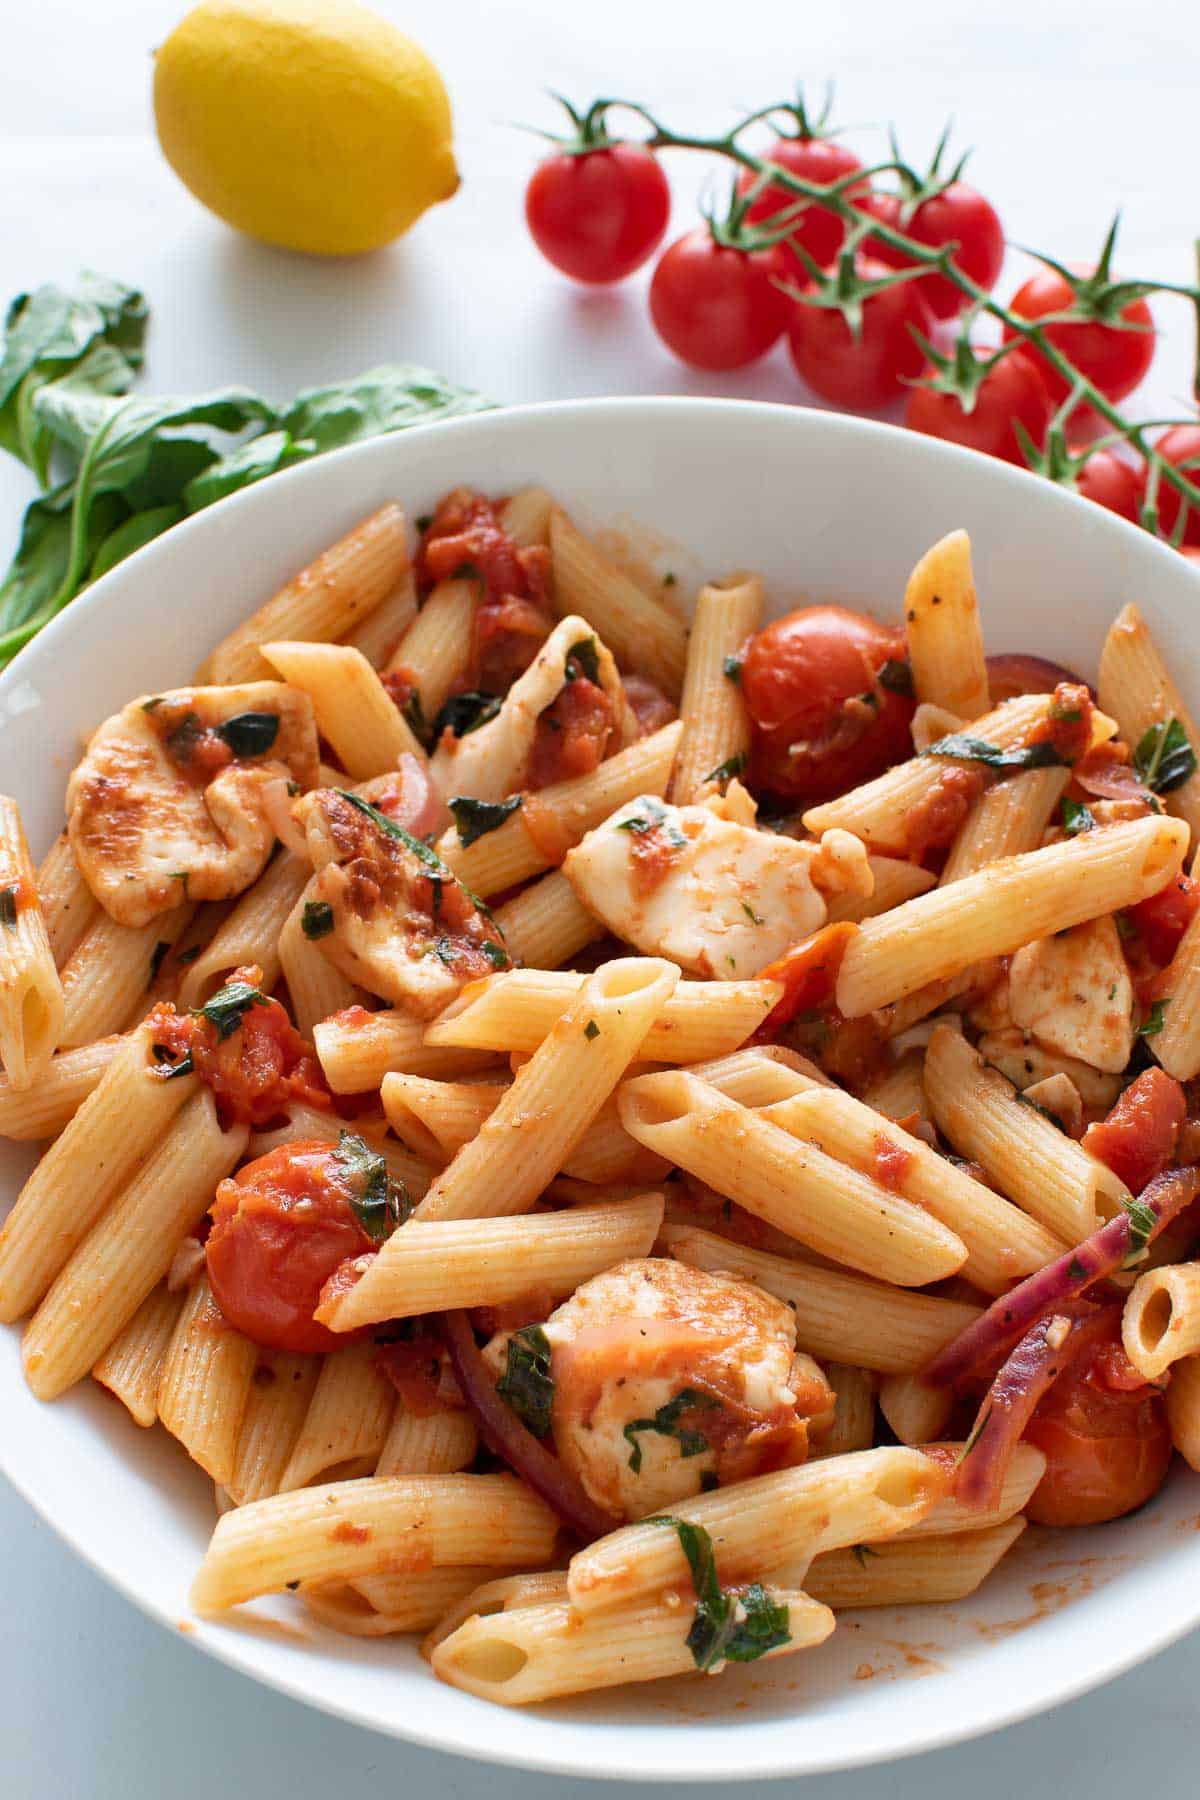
x=313 y=124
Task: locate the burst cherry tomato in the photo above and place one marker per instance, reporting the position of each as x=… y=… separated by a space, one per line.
x=1112 y=357
x=817 y=159
x=1180 y=446
x=874 y=368
x=1012 y=391
x=598 y=214
x=281 y=1227
x=958 y=215
x=1105 y=1437
x=1137 y=1140
x=717 y=307
x=1161 y=920
x=821 y=717
x=1113 y=483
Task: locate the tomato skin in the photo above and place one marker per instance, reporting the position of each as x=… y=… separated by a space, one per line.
x=874 y=369
x=1180 y=445
x=1113 y=483
x=281 y=1226
x=716 y=307
x=1013 y=390
x=1162 y=919
x=822 y=160
x=598 y=215
x=959 y=214
x=1137 y=1140
x=1106 y=1440
x=1113 y=359
x=797 y=676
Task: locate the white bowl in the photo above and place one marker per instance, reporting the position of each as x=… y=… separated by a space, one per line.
x=827 y=508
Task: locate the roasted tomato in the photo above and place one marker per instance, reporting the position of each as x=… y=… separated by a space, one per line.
x=572 y=734
x=1137 y=1140
x=1162 y=920
x=244 y=1047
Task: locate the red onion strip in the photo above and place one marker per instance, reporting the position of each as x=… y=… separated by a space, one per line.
x=505 y=1435
x=994 y=1331
x=1015 y=673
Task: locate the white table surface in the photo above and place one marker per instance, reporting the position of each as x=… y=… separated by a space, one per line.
x=1076 y=107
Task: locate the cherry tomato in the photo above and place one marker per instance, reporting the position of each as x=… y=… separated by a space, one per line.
x=280 y=1228
x=1012 y=390
x=1113 y=358
x=1105 y=1437
x=1180 y=446
x=717 y=307
x=1111 y=482
x=821 y=719
x=598 y=214
x=1162 y=920
x=1137 y=1140
x=958 y=215
x=873 y=368
x=817 y=159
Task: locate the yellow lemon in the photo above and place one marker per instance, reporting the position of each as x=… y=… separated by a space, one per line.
x=313 y=124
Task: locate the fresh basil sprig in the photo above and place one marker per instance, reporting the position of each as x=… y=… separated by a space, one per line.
x=718 y=1634
x=1164 y=758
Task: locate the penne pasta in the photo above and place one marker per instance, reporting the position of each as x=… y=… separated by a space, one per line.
x=435 y=652
x=1006 y=820
x=947 y=1515
x=436 y=1443
x=506 y=1593
x=1135 y=686
x=853 y=1426
x=204 y=1382
x=894 y=881
x=68 y=905
x=355 y=713
x=250 y=934
x=356 y=1049
x=131 y=1366
x=941 y=624
x=639 y=631
x=106 y=977
x=544 y=925
x=386 y=624
x=1161 y=1322
x=386 y=1605
x=917 y=1412
x=1183 y=1409
x=317 y=990
x=277 y=1403
x=47 y=1108
x=716 y=727
x=904 y=1573
x=1177 y=1046
x=347 y=1420
x=31 y=993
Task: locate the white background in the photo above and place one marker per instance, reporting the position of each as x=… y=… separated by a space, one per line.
x=1076 y=107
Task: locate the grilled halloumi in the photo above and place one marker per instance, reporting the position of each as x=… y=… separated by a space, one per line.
x=1073 y=992
x=167 y=803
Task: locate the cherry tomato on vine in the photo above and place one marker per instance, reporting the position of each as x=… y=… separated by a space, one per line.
x=715 y=306
x=830 y=702
x=1113 y=483
x=1180 y=446
x=598 y=214
x=818 y=229
x=960 y=215
x=1011 y=391
x=873 y=368
x=1113 y=357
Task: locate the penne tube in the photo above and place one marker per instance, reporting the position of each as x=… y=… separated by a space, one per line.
x=131 y=1112
x=383 y=628
x=347 y=1420
x=435 y=652
x=544 y=925
x=716 y=726
x=915 y=1411
x=1002 y=1243
x=525 y=516
x=760 y=1525
x=549 y=823
x=517 y=1010
x=1038 y=1166
x=899 y=1092
x=1161 y=1321
x=945 y=637
x=355 y=713
x=305 y=1122
x=31 y=994
x=1005 y=905
x=448 y=1263
x=1183 y=1409
x=834 y=1209
x=129 y=1250
x=348 y=1529
x=1135 y=686
x=250 y=934
x=1177 y=1045
x=436 y=1443
x=894 y=881
x=506 y=1593
x=356 y=1049
x=947 y=1515
x=853 y=1426
x=107 y=975
x=281 y=1389
x=641 y=632
x=761 y=1074
x=904 y=1573
x=317 y=990
x=1006 y=820
x=47 y=1108
x=541 y=1652
x=838 y=1316
x=325 y=601
x=204 y=1383
x=387 y=1605
x=68 y=904
x=131 y=1365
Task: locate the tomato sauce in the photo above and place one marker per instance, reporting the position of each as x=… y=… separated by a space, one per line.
x=572 y=735
x=514 y=617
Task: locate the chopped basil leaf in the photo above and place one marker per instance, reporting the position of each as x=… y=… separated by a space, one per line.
x=1142 y=1221
x=669 y=579
x=527 y=1384
x=1153 y=1023
x=733 y=765
x=413 y=714
x=754 y=918
x=964 y=748
x=250 y=733
x=591 y=1030
x=475 y=818
x=8 y=914
x=897 y=676
x=182 y=739
x=229 y=1006
x=189 y=956
x=464 y=713
x=654 y=816
x=718 y=1634
x=496 y=954
x=861 y=1553
x=151 y=704
x=666 y=1423
x=586 y=657
x=316 y=921
x=183 y=1067
x=1076 y=1269
x=424 y=855
x=1164 y=758
x=1065 y=715
x=1077 y=817
x=156 y=956
x=733 y=670
x=1037 y=1107
x=378 y=1202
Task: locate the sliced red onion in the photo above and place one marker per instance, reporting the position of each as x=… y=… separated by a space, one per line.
x=1045 y=1353
x=1015 y=673
x=1111 y=780
x=976 y=1348
x=505 y=1435
x=418 y=806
